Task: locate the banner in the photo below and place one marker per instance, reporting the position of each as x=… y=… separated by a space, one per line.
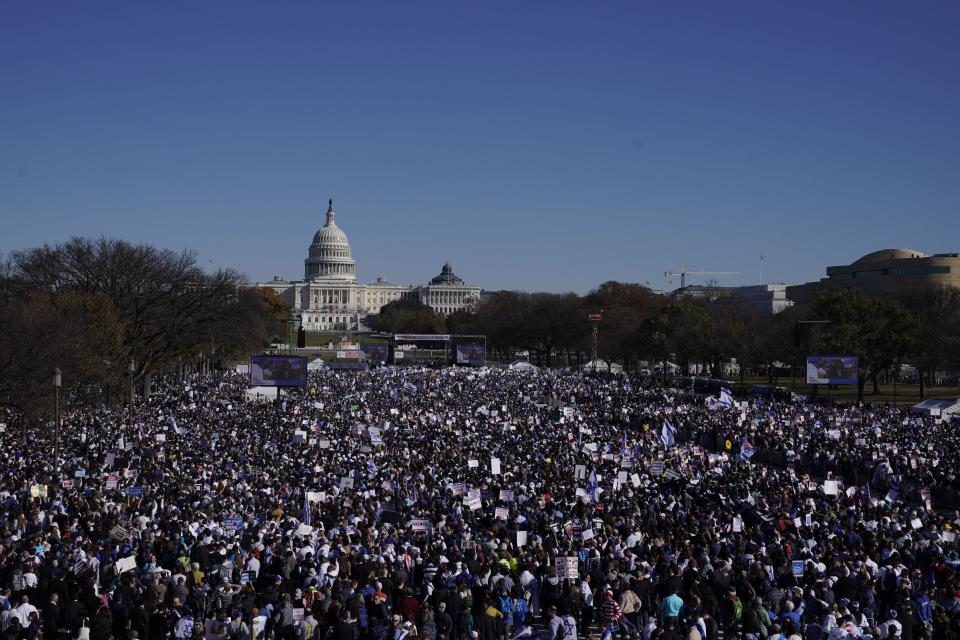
x=567 y=568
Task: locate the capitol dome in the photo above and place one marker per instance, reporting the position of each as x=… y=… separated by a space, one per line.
x=330 y=254
x=447 y=276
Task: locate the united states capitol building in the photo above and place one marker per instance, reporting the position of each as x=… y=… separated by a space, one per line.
x=329 y=298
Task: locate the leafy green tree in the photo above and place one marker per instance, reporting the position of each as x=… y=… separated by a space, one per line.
x=937 y=313
x=686 y=331
x=878 y=330
x=408 y=316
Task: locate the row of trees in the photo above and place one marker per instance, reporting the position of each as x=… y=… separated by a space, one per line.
x=919 y=328
x=92 y=306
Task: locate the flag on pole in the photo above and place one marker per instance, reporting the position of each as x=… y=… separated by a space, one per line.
x=307 y=517
x=593 y=488
x=668 y=434
x=725 y=398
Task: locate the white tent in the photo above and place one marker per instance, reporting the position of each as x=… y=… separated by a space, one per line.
x=937 y=408
x=261 y=394
x=315 y=364
x=522 y=365
x=601 y=366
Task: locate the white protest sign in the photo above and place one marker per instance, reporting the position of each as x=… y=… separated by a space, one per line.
x=831 y=487
x=567 y=568
x=126 y=564
x=495 y=466
x=737 y=524
x=473 y=464
x=420 y=524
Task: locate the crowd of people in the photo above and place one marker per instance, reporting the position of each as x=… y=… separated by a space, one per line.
x=486 y=504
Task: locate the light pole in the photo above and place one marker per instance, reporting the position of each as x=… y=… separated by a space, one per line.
x=57 y=380
x=595 y=319
x=132 y=367
x=290 y=320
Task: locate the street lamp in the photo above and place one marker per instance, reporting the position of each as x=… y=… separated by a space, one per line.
x=132 y=367
x=290 y=321
x=57 y=381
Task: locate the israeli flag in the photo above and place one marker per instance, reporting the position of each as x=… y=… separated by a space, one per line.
x=668 y=435
x=726 y=399
x=593 y=488
x=307 y=516
x=172 y=421
x=746 y=450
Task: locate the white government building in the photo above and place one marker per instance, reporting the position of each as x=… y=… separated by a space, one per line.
x=329 y=298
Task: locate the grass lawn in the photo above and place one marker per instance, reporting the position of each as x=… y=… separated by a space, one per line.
x=906 y=394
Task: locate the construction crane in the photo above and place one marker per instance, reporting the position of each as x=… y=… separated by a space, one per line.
x=683 y=273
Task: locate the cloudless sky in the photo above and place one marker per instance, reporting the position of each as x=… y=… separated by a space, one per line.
x=534 y=145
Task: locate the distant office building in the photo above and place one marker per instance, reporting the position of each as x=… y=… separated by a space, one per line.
x=330 y=298
x=764 y=298
x=886 y=271
x=761 y=298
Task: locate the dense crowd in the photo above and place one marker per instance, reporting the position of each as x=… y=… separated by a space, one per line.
x=479 y=504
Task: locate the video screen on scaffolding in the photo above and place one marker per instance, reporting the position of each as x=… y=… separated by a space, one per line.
x=278 y=371
x=832 y=369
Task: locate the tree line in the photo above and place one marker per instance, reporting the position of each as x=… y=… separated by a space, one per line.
x=91 y=307
x=920 y=327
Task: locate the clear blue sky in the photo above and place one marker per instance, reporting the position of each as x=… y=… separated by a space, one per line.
x=535 y=145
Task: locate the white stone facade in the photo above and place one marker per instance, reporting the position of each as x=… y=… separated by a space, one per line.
x=329 y=298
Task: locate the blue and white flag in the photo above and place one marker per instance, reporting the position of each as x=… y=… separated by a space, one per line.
x=307 y=516
x=371 y=467
x=172 y=421
x=726 y=399
x=668 y=435
x=593 y=488
x=746 y=450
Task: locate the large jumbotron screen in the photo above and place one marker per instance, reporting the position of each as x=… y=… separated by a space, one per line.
x=278 y=371
x=832 y=369
x=472 y=354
